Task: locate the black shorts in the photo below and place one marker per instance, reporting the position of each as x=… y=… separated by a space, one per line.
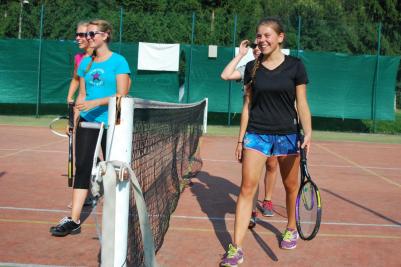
x=85 y=144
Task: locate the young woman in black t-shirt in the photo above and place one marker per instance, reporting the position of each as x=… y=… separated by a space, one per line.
x=232 y=72
x=278 y=101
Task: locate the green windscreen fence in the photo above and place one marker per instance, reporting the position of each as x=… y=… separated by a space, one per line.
x=341 y=86
x=353 y=87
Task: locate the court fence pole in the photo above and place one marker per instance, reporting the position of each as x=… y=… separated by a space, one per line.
x=376 y=78
x=121 y=29
x=230 y=82
x=299 y=35
x=39 y=84
x=190 y=57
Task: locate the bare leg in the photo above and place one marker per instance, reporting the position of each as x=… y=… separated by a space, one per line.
x=270 y=177
x=289 y=166
x=78 y=200
x=252 y=165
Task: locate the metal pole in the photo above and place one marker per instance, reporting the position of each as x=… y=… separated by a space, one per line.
x=38 y=88
x=22 y=2
x=376 y=79
x=121 y=28
x=20 y=20
x=190 y=56
x=299 y=36
x=230 y=82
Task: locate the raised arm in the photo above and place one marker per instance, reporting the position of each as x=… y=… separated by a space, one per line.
x=230 y=72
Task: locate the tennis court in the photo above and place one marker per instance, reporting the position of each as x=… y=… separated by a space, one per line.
x=360 y=185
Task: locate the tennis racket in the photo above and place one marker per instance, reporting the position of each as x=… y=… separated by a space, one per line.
x=64 y=126
x=308 y=209
x=70 y=142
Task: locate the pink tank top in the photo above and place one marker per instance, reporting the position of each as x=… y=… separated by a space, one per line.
x=78 y=58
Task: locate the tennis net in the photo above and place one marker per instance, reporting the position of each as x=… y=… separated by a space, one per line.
x=165 y=155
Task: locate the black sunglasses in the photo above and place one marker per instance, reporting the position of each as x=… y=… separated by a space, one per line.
x=92 y=34
x=80 y=34
x=252 y=45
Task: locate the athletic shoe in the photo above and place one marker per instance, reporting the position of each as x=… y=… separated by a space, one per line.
x=267 y=208
x=232 y=257
x=65 y=227
x=289 y=240
x=252 y=221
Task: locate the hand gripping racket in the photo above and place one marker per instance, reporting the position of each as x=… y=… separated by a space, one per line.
x=308 y=209
x=64 y=126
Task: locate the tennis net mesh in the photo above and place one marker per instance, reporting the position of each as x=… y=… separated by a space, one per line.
x=165 y=154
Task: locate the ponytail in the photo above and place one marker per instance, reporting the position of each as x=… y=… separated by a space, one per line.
x=255 y=67
x=93 y=56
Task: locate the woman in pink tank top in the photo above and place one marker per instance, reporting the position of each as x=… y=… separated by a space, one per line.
x=80 y=38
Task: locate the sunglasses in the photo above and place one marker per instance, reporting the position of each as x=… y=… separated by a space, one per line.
x=80 y=34
x=92 y=34
x=252 y=45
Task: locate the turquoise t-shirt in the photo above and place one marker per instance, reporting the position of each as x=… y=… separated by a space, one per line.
x=100 y=82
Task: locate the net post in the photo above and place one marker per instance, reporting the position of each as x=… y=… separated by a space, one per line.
x=119 y=147
x=205 y=115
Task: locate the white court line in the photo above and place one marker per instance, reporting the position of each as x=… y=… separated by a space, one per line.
x=317 y=165
x=42 y=210
x=10 y=264
x=30 y=149
x=284 y=221
x=34 y=150
x=205 y=218
x=384 y=178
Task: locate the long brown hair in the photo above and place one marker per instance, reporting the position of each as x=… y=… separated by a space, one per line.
x=277 y=26
x=103 y=26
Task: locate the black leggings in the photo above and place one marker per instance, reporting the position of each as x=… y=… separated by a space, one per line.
x=85 y=144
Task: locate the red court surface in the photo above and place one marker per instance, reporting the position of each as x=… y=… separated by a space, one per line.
x=360 y=185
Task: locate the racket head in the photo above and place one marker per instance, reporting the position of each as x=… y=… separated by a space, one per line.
x=308 y=210
x=59 y=125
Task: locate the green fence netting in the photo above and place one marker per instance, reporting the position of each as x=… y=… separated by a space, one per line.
x=341 y=85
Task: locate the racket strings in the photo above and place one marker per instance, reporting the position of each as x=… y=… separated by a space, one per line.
x=308 y=209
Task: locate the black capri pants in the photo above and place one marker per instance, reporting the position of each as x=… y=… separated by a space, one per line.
x=85 y=145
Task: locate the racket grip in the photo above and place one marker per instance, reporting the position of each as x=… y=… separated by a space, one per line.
x=302 y=150
x=71 y=115
x=69 y=174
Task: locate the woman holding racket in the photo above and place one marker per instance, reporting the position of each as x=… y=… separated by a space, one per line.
x=80 y=39
x=101 y=76
x=231 y=72
x=277 y=99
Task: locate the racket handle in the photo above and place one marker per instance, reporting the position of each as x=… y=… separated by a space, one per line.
x=302 y=150
x=71 y=115
x=70 y=174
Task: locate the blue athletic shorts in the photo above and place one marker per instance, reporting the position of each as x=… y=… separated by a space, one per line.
x=272 y=144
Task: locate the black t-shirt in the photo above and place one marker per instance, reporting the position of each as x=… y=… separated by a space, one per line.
x=273 y=96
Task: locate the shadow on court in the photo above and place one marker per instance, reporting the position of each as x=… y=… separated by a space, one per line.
x=214 y=196
x=264 y=245
x=362 y=207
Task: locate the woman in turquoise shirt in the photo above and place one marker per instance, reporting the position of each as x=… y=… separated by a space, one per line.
x=101 y=76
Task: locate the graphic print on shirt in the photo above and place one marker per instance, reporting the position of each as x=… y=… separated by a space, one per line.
x=96 y=75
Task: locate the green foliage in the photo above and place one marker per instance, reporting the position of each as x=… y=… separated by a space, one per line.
x=326 y=25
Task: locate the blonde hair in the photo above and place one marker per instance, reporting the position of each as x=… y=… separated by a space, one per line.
x=277 y=26
x=82 y=23
x=104 y=26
